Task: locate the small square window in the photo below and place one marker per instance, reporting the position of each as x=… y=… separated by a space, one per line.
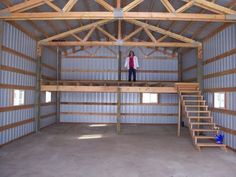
x=150 y=98
x=48 y=97
x=19 y=97
x=219 y=100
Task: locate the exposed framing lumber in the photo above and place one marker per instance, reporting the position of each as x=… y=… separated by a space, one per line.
x=132 y=5
x=106 y=33
x=53 y=6
x=123 y=89
x=150 y=35
x=26 y=5
x=168 y=5
x=89 y=34
x=212 y=7
x=126 y=16
x=132 y=34
x=113 y=43
x=76 y=30
x=106 y=5
x=165 y=32
x=69 y=5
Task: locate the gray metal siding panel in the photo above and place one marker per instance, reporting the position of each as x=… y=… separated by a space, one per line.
x=20 y=42
x=220 y=43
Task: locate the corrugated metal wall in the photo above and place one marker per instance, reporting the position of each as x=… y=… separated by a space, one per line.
x=101 y=63
x=18 y=71
x=220 y=56
x=49 y=72
x=189 y=67
x=18 y=55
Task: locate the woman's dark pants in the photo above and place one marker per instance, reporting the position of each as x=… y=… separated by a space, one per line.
x=132 y=71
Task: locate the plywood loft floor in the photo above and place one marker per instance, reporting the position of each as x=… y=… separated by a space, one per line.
x=89 y=150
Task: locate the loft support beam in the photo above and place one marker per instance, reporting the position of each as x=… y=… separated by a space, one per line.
x=111 y=15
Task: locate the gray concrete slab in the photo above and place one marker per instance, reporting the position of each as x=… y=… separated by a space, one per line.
x=89 y=151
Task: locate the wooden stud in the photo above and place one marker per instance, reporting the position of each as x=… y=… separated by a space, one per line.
x=168 y=5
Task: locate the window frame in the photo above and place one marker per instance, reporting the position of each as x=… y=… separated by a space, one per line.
x=224 y=100
x=46 y=97
x=13 y=97
x=142 y=96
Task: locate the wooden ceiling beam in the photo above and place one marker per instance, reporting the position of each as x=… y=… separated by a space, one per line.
x=110 y=16
x=112 y=43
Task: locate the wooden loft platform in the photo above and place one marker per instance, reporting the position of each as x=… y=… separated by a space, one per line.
x=109 y=86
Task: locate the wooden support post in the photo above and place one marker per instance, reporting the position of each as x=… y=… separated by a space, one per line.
x=180 y=107
x=38 y=89
x=118 y=116
x=180 y=73
x=58 y=94
x=119 y=63
x=1 y=40
x=179 y=117
x=200 y=67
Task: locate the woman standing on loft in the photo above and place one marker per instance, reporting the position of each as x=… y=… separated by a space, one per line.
x=131 y=63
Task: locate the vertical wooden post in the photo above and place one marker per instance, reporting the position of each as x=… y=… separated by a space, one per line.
x=180 y=73
x=58 y=94
x=38 y=88
x=118 y=3
x=119 y=63
x=179 y=117
x=1 y=40
x=118 y=114
x=200 y=67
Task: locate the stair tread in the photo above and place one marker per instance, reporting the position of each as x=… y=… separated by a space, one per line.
x=204 y=137
x=195 y=106
x=197 y=111
x=205 y=130
x=195 y=100
x=202 y=123
x=211 y=144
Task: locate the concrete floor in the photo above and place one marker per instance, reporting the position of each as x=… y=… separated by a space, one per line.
x=89 y=151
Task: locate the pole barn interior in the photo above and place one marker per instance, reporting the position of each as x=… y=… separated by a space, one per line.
x=68 y=109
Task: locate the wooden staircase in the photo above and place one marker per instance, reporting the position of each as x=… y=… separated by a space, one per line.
x=199 y=119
